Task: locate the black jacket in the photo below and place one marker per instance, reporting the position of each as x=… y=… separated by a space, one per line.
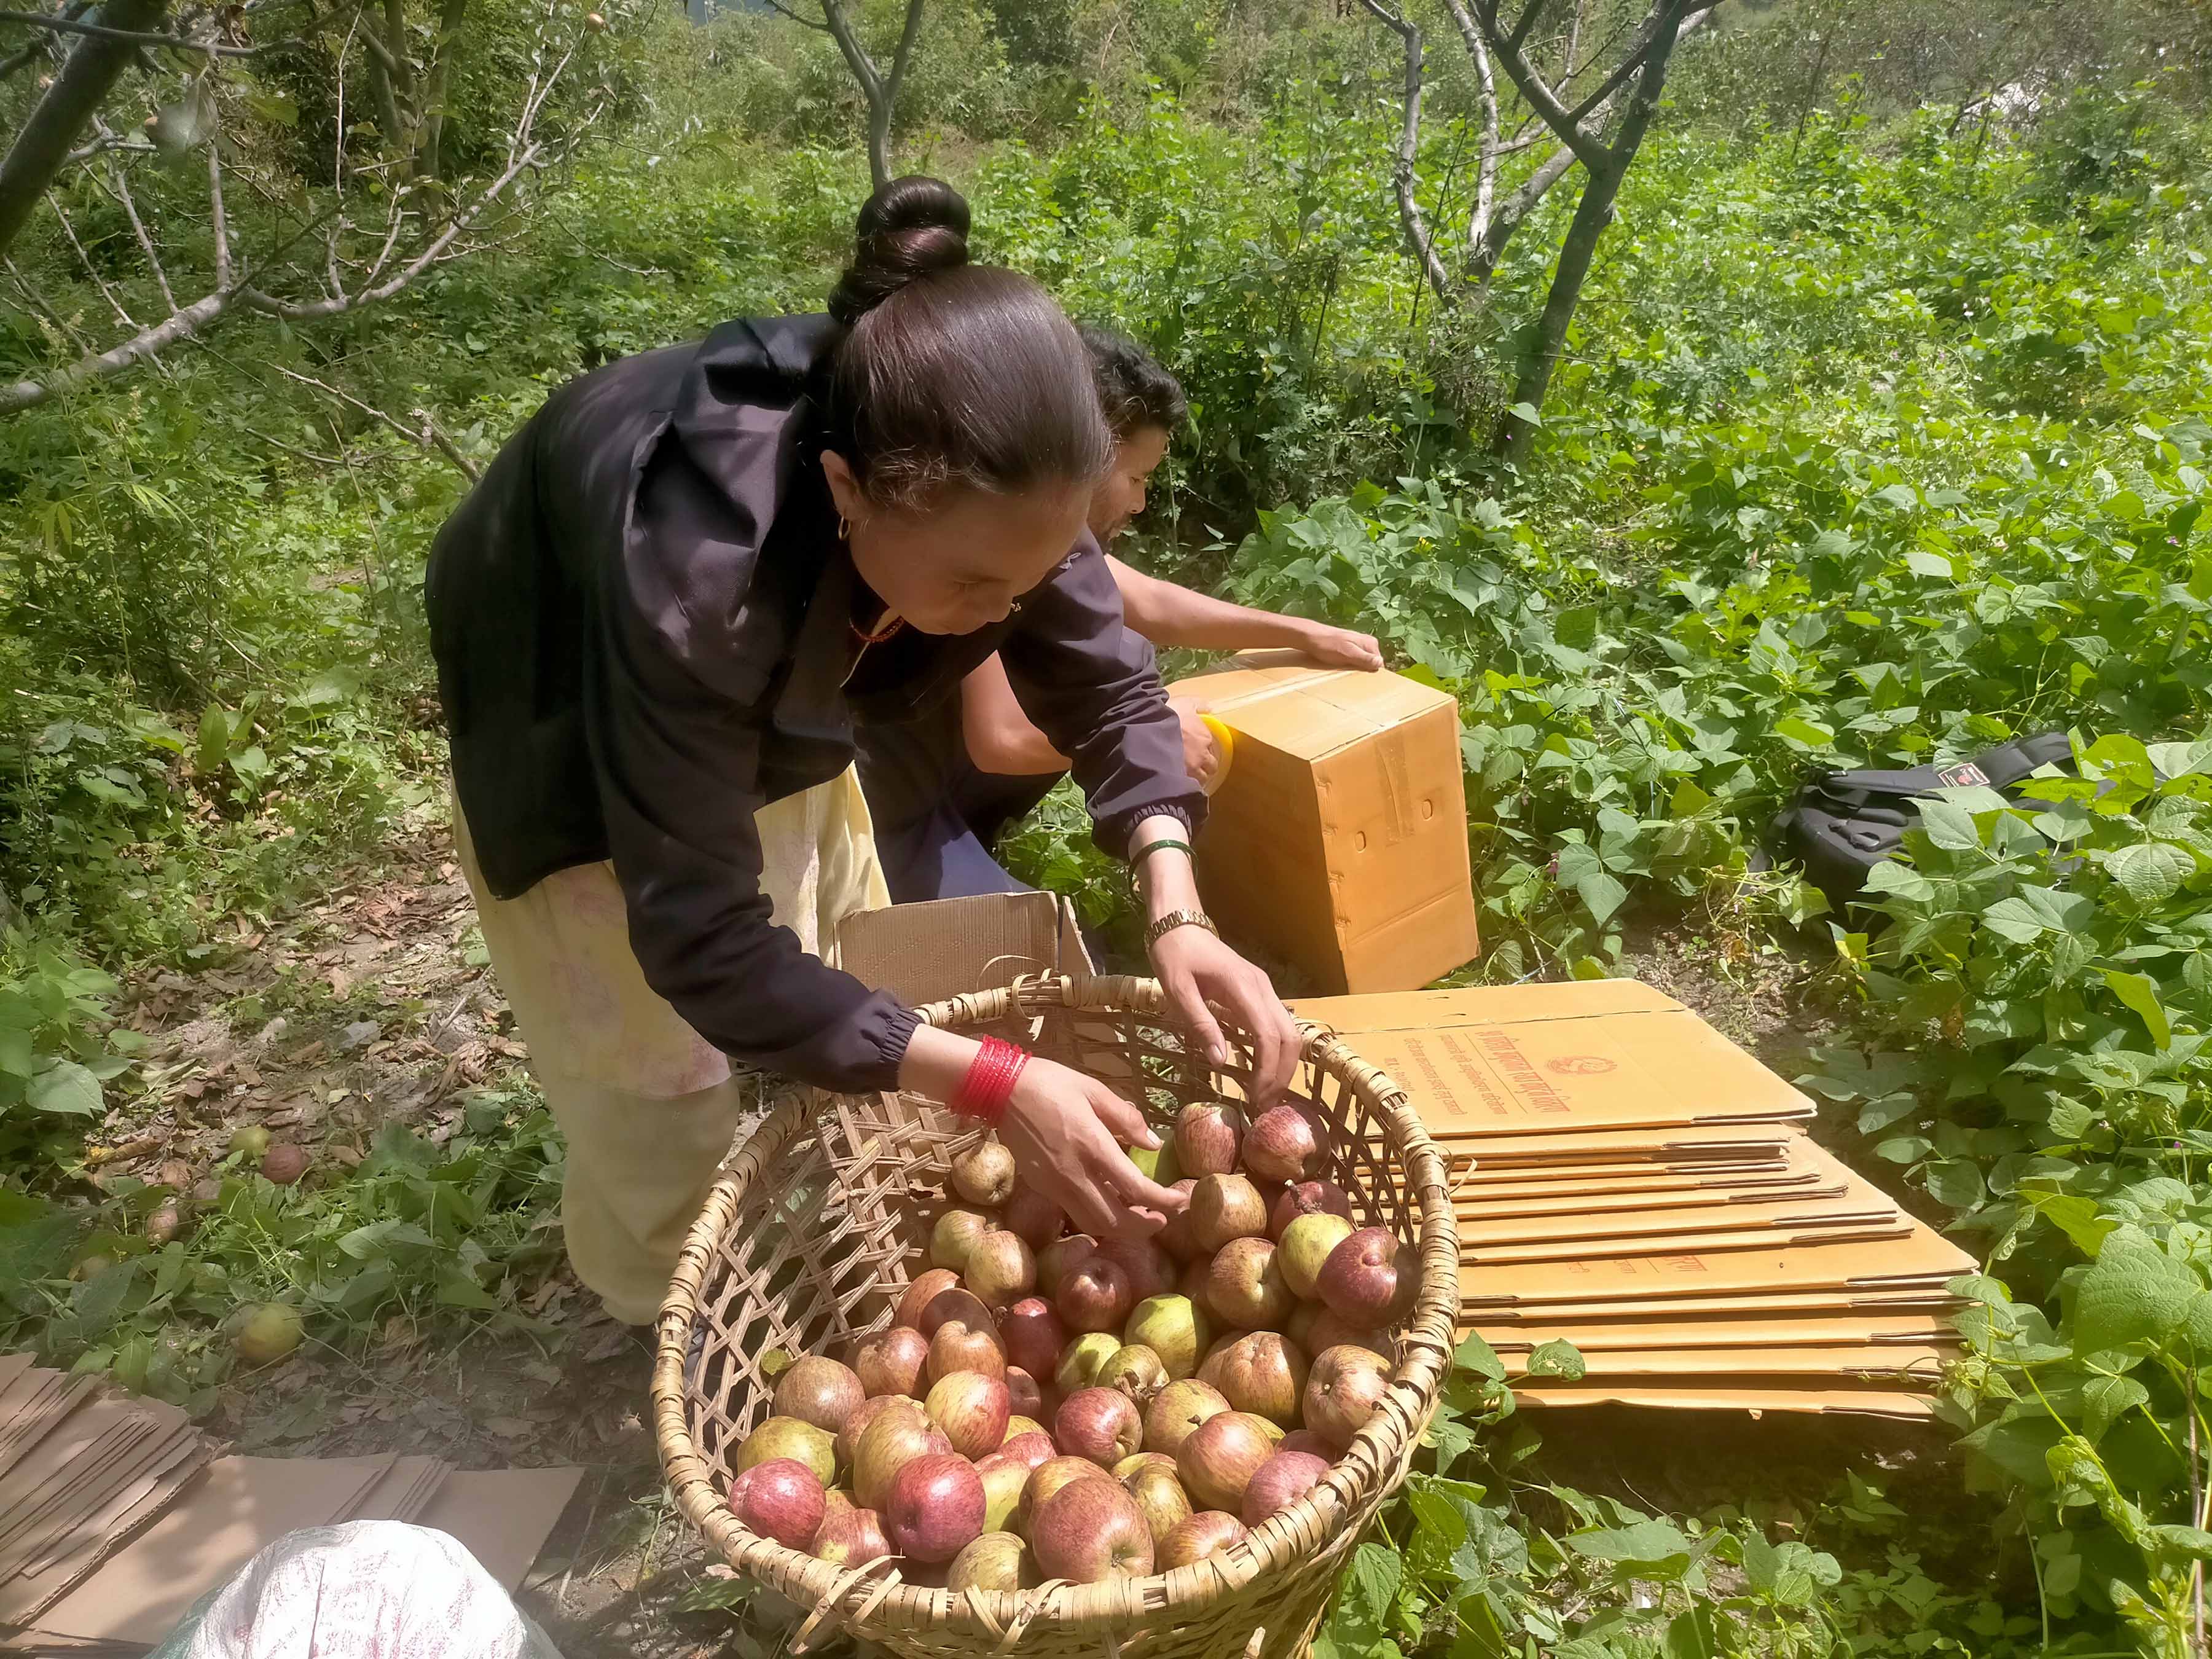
x=641 y=621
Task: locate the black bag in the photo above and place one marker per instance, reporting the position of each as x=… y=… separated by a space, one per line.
x=1843 y=823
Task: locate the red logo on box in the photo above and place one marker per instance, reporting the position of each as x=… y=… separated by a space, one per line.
x=1581 y=1065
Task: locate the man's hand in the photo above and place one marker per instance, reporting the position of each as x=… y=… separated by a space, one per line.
x=1066 y=1132
x=1201 y=750
x=1200 y=974
x=1339 y=647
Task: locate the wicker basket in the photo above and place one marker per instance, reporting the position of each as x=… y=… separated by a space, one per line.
x=811 y=1234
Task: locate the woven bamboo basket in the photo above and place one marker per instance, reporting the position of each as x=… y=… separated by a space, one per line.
x=819 y=1219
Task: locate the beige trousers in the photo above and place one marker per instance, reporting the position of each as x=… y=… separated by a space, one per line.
x=649 y=1106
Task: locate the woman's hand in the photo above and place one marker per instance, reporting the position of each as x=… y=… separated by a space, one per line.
x=1067 y=1133
x=1200 y=974
x=1339 y=647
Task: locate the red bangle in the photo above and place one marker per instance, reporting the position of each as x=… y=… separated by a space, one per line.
x=989 y=1084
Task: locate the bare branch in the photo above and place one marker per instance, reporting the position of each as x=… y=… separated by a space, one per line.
x=1521 y=30
x=106 y=142
x=43 y=142
x=905 y=52
x=137 y=37
x=220 y=221
x=1405 y=176
x=121 y=190
x=180 y=326
x=1533 y=85
x=804 y=22
x=428 y=436
x=91 y=270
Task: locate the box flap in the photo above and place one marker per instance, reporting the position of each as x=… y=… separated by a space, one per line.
x=1917 y=1260
x=1305 y=710
x=946 y=948
x=1719 y=1394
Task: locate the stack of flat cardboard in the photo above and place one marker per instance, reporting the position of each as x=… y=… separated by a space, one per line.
x=1628 y=1180
x=115 y=1516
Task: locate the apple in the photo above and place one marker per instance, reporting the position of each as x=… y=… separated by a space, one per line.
x=788 y=1437
x=1032 y=1448
x=1327 y=1331
x=996 y=1561
x=1151 y=1270
x=1307 y=1197
x=1096 y=1296
x=1345 y=1389
x=1192 y=1282
x=1135 y=1461
x=849 y=1537
x=1082 y=1360
x=1262 y=1373
x=1306 y=1440
x=1160 y=1497
x=1305 y=1245
x=1173 y=1327
x=1281 y=1481
x=887 y=1445
x=984 y=1174
x=856 y=1425
x=1099 y=1424
x=1284 y=1143
x=1135 y=1371
x=1175 y=1238
x=1033 y=1217
x=1207 y=1533
x=1159 y=1163
x=780 y=1498
x=1089 y=1531
x=1371 y=1278
x=970 y=1410
x=1048 y=1479
x=891 y=1362
x=1003 y=1479
x=1061 y=1258
x=1223 y=1207
x=954 y=1236
x=960 y=1345
x=936 y=1507
x=1001 y=1270
x=1219 y=1457
x=1244 y=1286
x=959 y=1303
x=1207 y=1134
x=1024 y=1394
x=1034 y=1335
x=1178 y=1409
x=920 y=1294
x=820 y=1391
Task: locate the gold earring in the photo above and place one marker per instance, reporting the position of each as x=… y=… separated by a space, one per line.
x=844 y=530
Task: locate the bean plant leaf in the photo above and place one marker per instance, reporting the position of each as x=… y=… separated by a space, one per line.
x=1558 y=1357
x=2133 y=1291
x=1653 y=1544
x=67 y=1088
x=2140 y=993
x=2104 y=1400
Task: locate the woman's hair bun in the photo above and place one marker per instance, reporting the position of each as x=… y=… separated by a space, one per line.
x=910 y=228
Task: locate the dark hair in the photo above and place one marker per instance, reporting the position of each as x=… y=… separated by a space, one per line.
x=1133 y=390
x=947 y=375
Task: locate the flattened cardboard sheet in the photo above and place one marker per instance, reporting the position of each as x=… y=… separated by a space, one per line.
x=1915 y=1261
x=503 y=1516
x=1742 y=1305
x=1770 y=1330
x=1718 y=1394
x=1895 y=1366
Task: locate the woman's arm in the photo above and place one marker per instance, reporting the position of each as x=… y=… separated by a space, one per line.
x=1167 y=615
x=1000 y=738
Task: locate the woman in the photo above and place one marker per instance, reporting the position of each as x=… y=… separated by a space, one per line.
x=660 y=612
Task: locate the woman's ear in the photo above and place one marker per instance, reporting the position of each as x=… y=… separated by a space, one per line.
x=844 y=488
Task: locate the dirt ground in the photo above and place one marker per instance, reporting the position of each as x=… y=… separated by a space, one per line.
x=375 y=1005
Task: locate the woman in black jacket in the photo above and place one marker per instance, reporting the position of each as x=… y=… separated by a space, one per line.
x=666 y=602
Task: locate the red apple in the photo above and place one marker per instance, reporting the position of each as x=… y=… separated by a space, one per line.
x=1160 y=1494
x=1082 y=1360
x=1326 y=1331
x=1177 y=1410
x=1048 y=1479
x=936 y=1507
x=954 y=1236
x=1343 y=1391
x=1143 y=1460
x=1244 y=1286
x=1191 y=1284
x=1220 y=1457
x=780 y=1498
x=984 y=1174
x=848 y=1438
x=820 y=1391
x=1032 y=1449
x=959 y=1346
x=1151 y=1270
x=1089 y=1531
x=920 y=1294
x=1096 y=1296
x=1061 y=1258
x=1284 y=1143
x=887 y=1445
x=1173 y=1327
x=1223 y=1207
x=1099 y=1424
x=787 y=1437
x=970 y=1410
x=1281 y=1481
x=1033 y=1217
x=1207 y=1533
x=891 y=1362
x=850 y=1536
x=1034 y=1335
x=996 y=1561
x=1207 y=1136
x=1262 y=1373
x=1003 y=1479
x=1001 y=1270
x=1175 y=1238
x=1307 y=1197
x=1135 y=1371
x=1024 y=1394
x=1306 y=1245
x=959 y=1303
x=1306 y=1440
x=1371 y=1278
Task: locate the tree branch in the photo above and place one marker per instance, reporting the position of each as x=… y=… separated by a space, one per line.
x=43 y=142
x=430 y=437
x=1405 y=178
x=804 y=22
x=218 y=217
x=1534 y=88
x=180 y=326
x=121 y=189
x=137 y=37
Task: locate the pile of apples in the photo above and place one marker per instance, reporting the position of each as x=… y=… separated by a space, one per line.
x=1045 y=1406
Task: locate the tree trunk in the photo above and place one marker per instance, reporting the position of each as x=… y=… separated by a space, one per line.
x=57 y=120
x=429 y=162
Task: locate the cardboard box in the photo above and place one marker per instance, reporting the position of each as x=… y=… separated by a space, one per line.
x=1338 y=839
x=1719 y=1393
x=932 y=952
x=1524 y=1061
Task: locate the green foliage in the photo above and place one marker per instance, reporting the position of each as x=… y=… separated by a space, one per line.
x=58 y=1051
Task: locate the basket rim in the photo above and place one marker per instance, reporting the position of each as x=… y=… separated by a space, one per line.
x=876 y=1592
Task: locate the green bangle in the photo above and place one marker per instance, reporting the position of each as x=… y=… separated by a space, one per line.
x=1152 y=847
